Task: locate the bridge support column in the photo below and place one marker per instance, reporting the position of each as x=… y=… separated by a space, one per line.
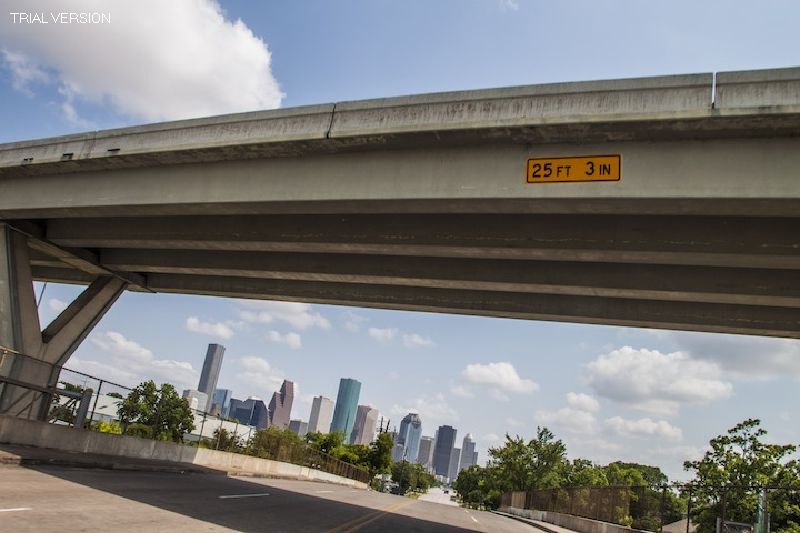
x=34 y=356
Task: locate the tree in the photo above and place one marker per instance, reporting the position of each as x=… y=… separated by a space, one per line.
x=277 y=444
x=583 y=473
x=536 y=464
x=404 y=475
x=634 y=474
x=734 y=469
x=330 y=443
x=166 y=415
x=222 y=439
x=410 y=477
x=355 y=454
x=380 y=454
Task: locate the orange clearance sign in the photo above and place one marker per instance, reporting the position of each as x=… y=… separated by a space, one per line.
x=580 y=168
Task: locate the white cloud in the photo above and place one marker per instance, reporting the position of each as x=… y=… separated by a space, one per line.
x=131 y=363
x=382 y=334
x=433 y=410
x=259 y=373
x=414 y=340
x=24 y=72
x=410 y=340
x=568 y=418
x=292 y=339
x=353 y=321
x=743 y=357
x=215 y=329
x=581 y=401
x=644 y=427
x=514 y=422
x=159 y=60
x=652 y=381
x=461 y=391
x=501 y=375
x=680 y=453
x=491 y=438
x=117 y=345
x=298 y=315
x=499 y=395
x=512 y=5
x=56 y=305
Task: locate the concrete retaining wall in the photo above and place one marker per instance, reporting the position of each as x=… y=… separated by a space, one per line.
x=575 y=523
x=43 y=435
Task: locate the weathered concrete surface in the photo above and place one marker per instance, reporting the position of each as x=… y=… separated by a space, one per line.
x=421 y=203
x=569 y=522
x=43 y=435
x=29 y=355
x=52 y=499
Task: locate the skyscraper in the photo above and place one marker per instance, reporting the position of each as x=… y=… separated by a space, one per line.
x=221 y=398
x=344 y=415
x=468 y=454
x=321 y=415
x=299 y=427
x=364 y=426
x=445 y=439
x=455 y=460
x=410 y=433
x=425 y=451
x=251 y=411
x=280 y=407
x=210 y=373
x=197 y=400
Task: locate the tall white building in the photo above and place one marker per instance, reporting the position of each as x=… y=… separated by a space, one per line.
x=197 y=399
x=425 y=455
x=321 y=415
x=469 y=456
x=455 y=460
x=364 y=426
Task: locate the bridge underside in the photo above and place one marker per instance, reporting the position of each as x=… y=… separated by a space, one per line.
x=663 y=271
x=421 y=203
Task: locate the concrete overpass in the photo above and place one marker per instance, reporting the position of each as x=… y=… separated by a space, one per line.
x=427 y=203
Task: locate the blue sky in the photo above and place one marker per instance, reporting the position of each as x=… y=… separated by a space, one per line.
x=592 y=385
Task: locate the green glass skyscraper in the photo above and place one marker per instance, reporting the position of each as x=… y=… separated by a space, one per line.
x=344 y=414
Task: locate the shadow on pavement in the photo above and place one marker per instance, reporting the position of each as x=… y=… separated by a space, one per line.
x=197 y=496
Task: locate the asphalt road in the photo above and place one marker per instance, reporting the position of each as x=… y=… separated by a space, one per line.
x=47 y=498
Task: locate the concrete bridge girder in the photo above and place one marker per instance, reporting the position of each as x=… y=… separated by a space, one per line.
x=421 y=203
x=36 y=356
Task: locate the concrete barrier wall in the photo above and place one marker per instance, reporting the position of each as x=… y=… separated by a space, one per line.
x=575 y=523
x=44 y=435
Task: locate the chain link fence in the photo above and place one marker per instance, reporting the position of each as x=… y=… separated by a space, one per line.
x=93 y=403
x=675 y=508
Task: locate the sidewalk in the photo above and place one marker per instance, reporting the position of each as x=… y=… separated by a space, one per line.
x=544 y=526
x=12 y=454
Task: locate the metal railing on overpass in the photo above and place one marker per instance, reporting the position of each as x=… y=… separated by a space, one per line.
x=81 y=400
x=672 y=508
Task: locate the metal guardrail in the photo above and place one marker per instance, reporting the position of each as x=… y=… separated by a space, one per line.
x=90 y=400
x=652 y=507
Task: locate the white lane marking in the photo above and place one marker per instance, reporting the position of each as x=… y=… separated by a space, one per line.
x=232 y=496
x=14 y=510
x=324 y=491
x=474 y=519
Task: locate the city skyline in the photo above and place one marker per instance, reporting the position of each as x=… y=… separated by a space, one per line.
x=611 y=393
x=363 y=430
